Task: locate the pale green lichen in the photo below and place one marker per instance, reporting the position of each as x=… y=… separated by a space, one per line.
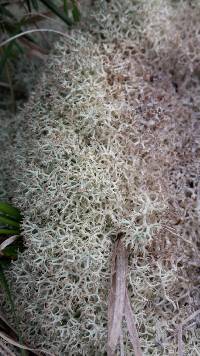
x=107 y=146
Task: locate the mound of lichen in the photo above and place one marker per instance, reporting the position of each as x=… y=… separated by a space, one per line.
x=109 y=146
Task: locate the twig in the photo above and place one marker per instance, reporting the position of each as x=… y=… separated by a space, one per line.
x=35 y=17
x=32 y=31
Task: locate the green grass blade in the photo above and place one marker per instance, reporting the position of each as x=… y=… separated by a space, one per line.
x=9 y=222
x=10 y=210
x=65 y=5
x=35 y=4
x=5 y=12
x=51 y=6
x=32 y=4
x=75 y=11
x=9 y=232
x=28 y=3
x=7 y=53
x=19 y=47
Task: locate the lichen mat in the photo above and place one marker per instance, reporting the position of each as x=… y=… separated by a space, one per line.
x=108 y=146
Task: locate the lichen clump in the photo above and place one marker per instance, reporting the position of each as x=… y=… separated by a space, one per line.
x=109 y=146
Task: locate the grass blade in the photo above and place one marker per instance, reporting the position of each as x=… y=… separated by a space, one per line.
x=9 y=232
x=75 y=11
x=65 y=5
x=35 y=30
x=35 y=4
x=50 y=5
x=10 y=210
x=32 y=3
x=28 y=5
x=6 y=12
x=7 y=53
x=9 y=222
